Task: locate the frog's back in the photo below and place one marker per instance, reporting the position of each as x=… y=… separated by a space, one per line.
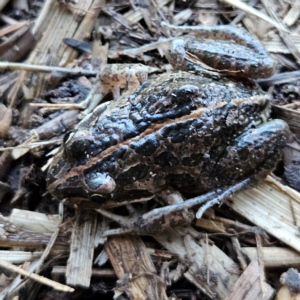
x=168 y=97
x=161 y=134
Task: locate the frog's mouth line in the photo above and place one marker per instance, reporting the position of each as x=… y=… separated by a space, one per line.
x=259 y=100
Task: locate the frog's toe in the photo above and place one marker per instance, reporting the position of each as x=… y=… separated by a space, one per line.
x=125 y=222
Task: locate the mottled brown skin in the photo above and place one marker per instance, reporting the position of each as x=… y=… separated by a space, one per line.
x=180 y=130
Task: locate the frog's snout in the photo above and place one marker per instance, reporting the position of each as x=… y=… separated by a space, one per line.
x=277 y=127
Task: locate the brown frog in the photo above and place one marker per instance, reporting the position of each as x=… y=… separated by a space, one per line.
x=181 y=130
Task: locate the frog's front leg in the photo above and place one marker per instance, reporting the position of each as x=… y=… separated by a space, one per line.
x=177 y=214
x=155 y=221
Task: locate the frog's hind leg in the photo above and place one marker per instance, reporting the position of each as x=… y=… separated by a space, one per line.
x=159 y=219
x=178 y=57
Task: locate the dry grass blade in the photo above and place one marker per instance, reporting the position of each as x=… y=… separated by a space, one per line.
x=250 y=10
x=45 y=69
x=293 y=15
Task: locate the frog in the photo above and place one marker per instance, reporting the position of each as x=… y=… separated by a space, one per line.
x=184 y=130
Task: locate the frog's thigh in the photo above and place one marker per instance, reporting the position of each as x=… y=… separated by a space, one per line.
x=256 y=149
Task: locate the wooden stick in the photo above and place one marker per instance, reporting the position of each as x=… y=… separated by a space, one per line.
x=45 y=69
x=57 y=286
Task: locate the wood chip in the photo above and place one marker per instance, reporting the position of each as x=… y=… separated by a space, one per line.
x=134 y=267
x=79 y=266
x=248 y=286
x=210 y=269
x=274 y=256
x=272 y=209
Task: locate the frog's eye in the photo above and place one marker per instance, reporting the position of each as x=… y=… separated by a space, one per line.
x=100 y=183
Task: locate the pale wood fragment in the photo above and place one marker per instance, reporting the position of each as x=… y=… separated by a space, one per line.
x=289 y=42
x=5 y=120
x=262 y=277
x=293 y=15
x=90 y=10
x=34 y=221
x=11 y=235
x=33 y=287
x=274 y=256
x=59 y=272
x=134 y=267
x=3 y=3
x=134 y=16
x=36 y=277
x=150 y=13
x=182 y=16
x=210 y=269
x=79 y=266
x=272 y=209
x=283 y=42
x=14 y=27
x=18 y=257
x=15 y=286
x=23 y=238
x=221 y=225
x=275 y=45
x=16 y=237
x=248 y=286
x=237 y=248
x=259 y=28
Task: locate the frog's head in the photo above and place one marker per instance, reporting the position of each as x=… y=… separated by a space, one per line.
x=66 y=176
